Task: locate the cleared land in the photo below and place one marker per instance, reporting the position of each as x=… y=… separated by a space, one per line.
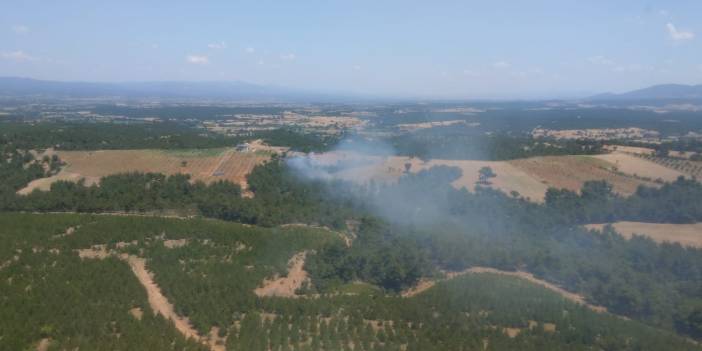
x=690 y=168
x=640 y=167
x=570 y=172
x=202 y=165
x=529 y=177
x=389 y=169
x=684 y=234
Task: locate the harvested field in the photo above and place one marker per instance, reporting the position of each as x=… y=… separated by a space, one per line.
x=630 y=149
x=529 y=177
x=689 y=235
x=640 y=167
x=389 y=169
x=688 y=167
x=202 y=165
x=570 y=172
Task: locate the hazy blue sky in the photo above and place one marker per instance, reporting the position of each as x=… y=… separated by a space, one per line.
x=460 y=49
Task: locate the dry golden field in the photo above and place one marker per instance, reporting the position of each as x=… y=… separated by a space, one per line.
x=685 y=234
x=202 y=165
x=529 y=177
x=630 y=164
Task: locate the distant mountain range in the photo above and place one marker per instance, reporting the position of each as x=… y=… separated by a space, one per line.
x=657 y=92
x=242 y=91
x=230 y=90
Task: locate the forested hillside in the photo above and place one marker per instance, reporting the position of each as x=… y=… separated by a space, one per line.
x=399 y=233
x=209 y=269
x=654 y=283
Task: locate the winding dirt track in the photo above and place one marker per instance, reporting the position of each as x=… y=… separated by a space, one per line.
x=579 y=299
x=286 y=286
x=158 y=302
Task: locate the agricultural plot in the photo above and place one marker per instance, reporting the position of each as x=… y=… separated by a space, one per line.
x=202 y=165
x=570 y=172
x=529 y=177
x=640 y=167
x=120 y=282
x=362 y=168
x=678 y=165
x=689 y=235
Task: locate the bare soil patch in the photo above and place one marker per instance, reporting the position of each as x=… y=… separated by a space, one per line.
x=259 y=145
x=421 y=286
x=43 y=344
x=95 y=252
x=137 y=313
x=689 y=235
x=549 y=327
x=286 y=286
x=172 y=244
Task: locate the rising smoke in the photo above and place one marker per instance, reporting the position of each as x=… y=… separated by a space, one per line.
x=392 y=187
